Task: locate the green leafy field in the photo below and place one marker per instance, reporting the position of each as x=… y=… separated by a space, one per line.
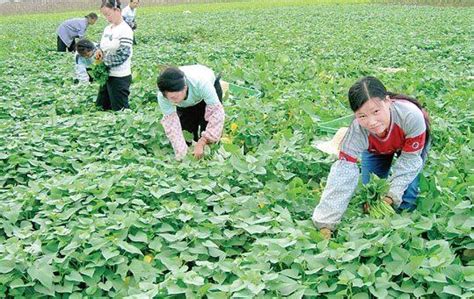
x=92 y=204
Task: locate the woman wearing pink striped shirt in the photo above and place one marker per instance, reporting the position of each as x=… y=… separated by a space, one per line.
x=386 y=125
x=190 y=98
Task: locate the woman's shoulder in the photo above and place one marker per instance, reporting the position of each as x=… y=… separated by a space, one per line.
x=408 y=116
x=126 y=9
x=406 y=109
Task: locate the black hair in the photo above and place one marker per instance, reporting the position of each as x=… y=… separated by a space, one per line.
x=83 y=46
x=111 y=4
x=370 y=87
x=92 y=16
x=171 y=79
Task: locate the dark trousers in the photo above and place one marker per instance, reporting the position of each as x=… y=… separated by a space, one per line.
x=192 y=118
x=114 y=94
x=62 y=46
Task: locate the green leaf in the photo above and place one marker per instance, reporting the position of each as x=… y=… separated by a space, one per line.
x=43 y=273
x=364 y=271
x=139 y=237
x=109 y=253
x=452 y=290
x=155 y=244
x=413 y=265
x=209 y=243
x=6 y=266
x=361 y=296
x=128 y=247
x=193 y=278
x=256 y=229
x=74 y=276
x=324 y=288
x=239 y=164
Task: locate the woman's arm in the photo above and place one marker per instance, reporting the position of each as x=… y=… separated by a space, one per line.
x=121 y=54
x=410 y=162
x=341 y=184
x=215 y=116
x=174 y=132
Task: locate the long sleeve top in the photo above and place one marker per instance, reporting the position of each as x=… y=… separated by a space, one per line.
x=116 y=43
x=71 y=29
x=81 y=65
x=200 y=81
x=406 y=135
x=129 y=15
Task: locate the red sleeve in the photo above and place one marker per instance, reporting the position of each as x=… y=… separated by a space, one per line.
x=414 y=144
x=346 y=157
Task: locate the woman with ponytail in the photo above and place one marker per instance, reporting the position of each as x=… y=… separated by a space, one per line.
x=386 y=125
x=116 y=53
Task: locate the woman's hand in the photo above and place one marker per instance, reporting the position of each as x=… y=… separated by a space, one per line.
x=199 y=148
x=99 y=55
x=388 y=200
x=326 y=233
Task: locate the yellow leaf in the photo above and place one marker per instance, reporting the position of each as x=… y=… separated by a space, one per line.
x=233 y=127
x=226 y=140
x=148 y=258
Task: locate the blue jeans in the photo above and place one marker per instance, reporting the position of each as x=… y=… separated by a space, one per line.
x=380 y=165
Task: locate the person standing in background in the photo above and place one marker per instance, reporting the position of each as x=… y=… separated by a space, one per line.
x=116 y=53
x=129 y=14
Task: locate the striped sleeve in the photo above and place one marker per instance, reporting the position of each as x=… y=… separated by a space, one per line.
x=121 y=55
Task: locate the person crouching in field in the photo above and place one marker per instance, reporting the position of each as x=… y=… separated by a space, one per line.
x=385 y=125
x=190 y=98
x=71 y=29
x=85 y=56
x=116 y=53
x=129 y=14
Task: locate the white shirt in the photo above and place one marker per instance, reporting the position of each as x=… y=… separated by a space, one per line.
x=129 y=15
x=113 y=38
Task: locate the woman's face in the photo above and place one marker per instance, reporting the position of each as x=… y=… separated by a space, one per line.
x=112 y=15
x=87 y=54
x=176 y=97
x=134 y=4
x=374 y=115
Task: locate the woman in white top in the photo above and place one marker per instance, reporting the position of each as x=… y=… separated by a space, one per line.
x=116 y=52
x=129 y=14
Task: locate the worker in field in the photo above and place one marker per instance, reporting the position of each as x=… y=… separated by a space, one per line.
x=129 y=14
x=84 y=58
x=386 y=125
x=71 y=29
x=116 y=53
x=190 y=98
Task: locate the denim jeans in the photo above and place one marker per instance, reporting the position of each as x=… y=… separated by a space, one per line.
x=380 y=165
